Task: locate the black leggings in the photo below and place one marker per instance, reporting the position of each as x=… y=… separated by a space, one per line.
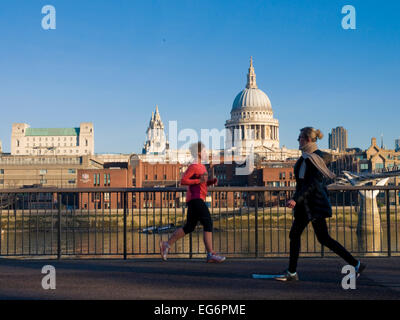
x=197 y=211
x=321 y=231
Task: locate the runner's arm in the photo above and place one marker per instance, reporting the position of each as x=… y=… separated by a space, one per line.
x=186 y=181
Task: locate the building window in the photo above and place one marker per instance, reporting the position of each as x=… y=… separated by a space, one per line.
x=43 y=171
x=165 y=177
x=155 y=177
x=107 y=179
x=379 y=166
x=95 y=196
x=145 y=177
x=71 y=181
x=1 y=171
x=96 y=181
x=71 y=171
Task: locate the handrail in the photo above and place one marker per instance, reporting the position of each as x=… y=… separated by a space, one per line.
x=184 y=189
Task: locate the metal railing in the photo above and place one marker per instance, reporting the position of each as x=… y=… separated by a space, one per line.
x=130 y=222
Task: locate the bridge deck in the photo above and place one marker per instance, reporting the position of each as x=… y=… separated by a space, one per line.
x=194 y=279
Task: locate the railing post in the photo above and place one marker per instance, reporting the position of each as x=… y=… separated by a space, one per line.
x=388 y=222
x=190 y=235
x=59 y=227
x=125 y=213
x=256 y=225
x=190 y=246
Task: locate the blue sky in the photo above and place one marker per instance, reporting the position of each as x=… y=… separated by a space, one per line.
x=111 y=62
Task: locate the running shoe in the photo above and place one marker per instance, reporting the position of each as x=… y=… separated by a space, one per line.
x=164 y=247
x=287 y=276
x=216 y=258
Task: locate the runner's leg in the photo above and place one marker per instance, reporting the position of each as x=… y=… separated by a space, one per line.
x=206 y=221
x=191 y=222
x=297 y=229
x=321 y=231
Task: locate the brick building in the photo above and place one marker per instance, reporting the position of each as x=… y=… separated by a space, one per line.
x=112 y=175
x=148 y=175
x=124 y=175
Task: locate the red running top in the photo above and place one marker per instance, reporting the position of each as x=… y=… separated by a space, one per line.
x=191 y=178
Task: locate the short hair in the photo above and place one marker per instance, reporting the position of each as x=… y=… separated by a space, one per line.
x=313 y=134
x=196 y=148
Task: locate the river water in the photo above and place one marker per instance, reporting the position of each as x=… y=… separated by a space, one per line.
x=232 y=242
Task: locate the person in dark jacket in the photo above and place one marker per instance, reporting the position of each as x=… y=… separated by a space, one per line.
x=311 y=202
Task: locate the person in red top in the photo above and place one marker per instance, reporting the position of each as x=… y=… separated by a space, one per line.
x=196 y=178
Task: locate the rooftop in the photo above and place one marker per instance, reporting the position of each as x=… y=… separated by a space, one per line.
x=52 y=132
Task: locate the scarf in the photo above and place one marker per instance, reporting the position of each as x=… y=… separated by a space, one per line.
x=317 y=161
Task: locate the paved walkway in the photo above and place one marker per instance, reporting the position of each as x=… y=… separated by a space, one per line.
x=194 y=279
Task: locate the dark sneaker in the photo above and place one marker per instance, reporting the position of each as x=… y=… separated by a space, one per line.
x=360 y=268
x=286 y=276
x=216 y=258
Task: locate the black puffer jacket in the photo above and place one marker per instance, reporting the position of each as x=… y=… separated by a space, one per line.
x=311 y=195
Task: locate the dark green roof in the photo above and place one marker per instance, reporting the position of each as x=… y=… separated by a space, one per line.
x=52 y=132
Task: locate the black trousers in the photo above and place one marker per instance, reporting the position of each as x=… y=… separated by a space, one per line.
x=197 y=211
x=321 y=232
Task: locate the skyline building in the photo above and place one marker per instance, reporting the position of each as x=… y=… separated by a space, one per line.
x=252 y=122
x=156 y=142
x=338 y=139
x=52 y=141
x=397 y=145
x=251 y=129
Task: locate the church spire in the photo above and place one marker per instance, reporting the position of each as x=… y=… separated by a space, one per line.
x=251 y=77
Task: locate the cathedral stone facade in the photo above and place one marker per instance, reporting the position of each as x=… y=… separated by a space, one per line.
x=251 y=129
x=252 y=124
